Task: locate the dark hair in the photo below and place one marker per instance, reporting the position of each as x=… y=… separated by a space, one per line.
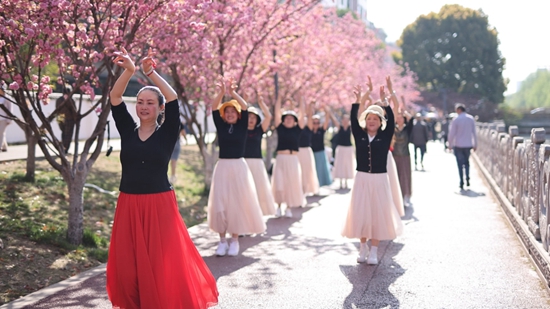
x=155 y=90
x=460 y=106
x=258 y=119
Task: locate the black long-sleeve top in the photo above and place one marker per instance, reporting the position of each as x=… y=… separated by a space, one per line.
x=343 y=137
x=253 y=147
x=145 y=163
x=318 y=140
x=231 y=137
x=305 y=137
x=372 y=157
x=288 y=139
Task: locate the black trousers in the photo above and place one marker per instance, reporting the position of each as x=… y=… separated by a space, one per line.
x=67 y=130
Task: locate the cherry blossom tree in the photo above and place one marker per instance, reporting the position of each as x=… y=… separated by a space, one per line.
x=78 y=37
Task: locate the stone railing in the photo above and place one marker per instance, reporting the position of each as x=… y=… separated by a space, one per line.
x=520 y=168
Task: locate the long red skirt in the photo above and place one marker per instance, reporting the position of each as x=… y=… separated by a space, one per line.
x=153 y=263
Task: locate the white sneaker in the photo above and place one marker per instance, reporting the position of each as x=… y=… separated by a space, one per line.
x=233 y=248
x=373 y=256
x=288 y=213
x=363 y=252
x=222 y=248
x=278 y=214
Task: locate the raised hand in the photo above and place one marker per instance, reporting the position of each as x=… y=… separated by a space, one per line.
x=357 y=92
x=389 y=83
x=123 y=60
x=148 y=64
x=221 y=87
x=369 y=84
x=383 y=96
x=232 y=86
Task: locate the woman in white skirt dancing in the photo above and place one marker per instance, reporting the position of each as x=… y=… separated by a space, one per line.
x=310 y=183
x=233 y=205
x=287 y=174
x=344 y=158
x=371 y=213
x=257 y=126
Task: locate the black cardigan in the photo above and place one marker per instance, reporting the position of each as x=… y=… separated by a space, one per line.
x=372 y=157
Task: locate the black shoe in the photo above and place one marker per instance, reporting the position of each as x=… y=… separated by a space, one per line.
x=467 y=182
x=461 y=186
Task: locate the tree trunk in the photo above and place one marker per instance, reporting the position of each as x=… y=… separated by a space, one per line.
x=209 y=163
x=31 y=155
x=75 y=185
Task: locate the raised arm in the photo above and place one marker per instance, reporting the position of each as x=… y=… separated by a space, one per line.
x=302 y=114
x=236 y=96
x=278 y=114
x=393 y=96
x=327 y=116
x=365 y=99
x=149 y=66
x=267 y=114
x=124 y=61
x=335 y=121
x=219 y=98
x=310 y=109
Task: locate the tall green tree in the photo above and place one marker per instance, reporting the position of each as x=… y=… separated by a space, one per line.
x=455 y=49
x=534 y=92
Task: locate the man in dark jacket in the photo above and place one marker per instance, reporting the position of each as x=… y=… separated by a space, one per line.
x=419 y=138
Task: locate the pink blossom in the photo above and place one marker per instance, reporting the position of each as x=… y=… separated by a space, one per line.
x=14 y=86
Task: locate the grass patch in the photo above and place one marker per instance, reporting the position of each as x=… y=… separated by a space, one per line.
x=33 y=220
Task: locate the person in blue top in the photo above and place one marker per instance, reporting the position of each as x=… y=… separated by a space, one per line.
x=153 y=262
x=372 y=213
x=233 y=205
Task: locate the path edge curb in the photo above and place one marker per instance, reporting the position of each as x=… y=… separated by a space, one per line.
x=35 y=297
x=536 y=252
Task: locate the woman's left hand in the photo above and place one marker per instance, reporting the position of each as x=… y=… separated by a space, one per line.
x=148 y=64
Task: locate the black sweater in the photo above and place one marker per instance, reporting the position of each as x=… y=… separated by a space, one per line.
x=343 y=137
x=231 y=137
x=145 y=163
x=288 y=139
x=318 y=140
x=253 y=148
x=305 y=137
x=372 y=157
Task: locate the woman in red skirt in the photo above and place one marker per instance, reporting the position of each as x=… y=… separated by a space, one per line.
x=153 y=262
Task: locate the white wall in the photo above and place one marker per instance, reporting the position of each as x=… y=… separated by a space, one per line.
x=15 y=134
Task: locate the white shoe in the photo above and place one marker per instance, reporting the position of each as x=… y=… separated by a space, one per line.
x=288 y=213
x=233 y=248
x=278 y=213
x=222 y=248
x=363 y=252
x=373 y=256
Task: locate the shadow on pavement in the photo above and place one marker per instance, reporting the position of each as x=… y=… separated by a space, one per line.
x=470 y=193
x=371 y=282
x=88 y=294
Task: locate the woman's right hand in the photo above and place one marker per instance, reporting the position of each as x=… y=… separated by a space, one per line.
x=221 y=87
x=124 y=61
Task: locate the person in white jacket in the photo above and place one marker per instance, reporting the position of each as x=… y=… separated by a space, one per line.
x=4 y=120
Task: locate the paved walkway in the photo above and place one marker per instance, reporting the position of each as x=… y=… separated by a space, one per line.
x=457 y=251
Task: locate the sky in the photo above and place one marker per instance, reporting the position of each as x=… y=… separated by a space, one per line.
x=523 y=28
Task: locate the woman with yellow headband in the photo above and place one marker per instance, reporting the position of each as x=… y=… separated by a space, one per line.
x=233 y=205
x=371 y=213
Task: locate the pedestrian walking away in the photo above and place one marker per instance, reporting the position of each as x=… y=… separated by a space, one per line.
x=322 y=166
x=66 y=117
x=344 y=159
x=462 y=139
x=401 y=153
x=4 y=117
x=286 y=181
x=153 y=263
x=419 y=138
x=310 y=182
x=233 y=205
x=371 y=213
x=257 y=126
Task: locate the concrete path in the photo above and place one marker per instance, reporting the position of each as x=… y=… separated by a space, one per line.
x=457 y=251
